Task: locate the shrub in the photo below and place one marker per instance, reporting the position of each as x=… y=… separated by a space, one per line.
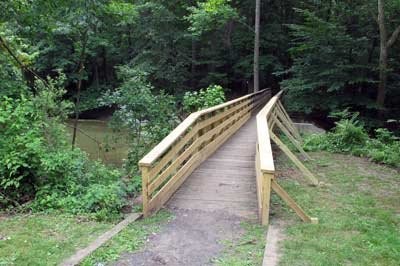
x=350 y=136
x=146 y=116
x=38 y=167
x=194 y=101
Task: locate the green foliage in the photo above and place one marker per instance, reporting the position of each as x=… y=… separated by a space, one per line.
x=210 y=15
x=328 y=61
x=194 y=101
x=350 y=136
x=147 y=117
x=38 y=165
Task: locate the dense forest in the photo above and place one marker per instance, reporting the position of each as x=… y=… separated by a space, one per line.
x=153 y=62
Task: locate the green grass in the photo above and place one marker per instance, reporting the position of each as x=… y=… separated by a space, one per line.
x=130 y=239
x=358 y=211
x=246 y=251
x=49 y=239
x=44 y=239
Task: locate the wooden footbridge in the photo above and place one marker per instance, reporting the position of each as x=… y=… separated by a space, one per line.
x=221 y=158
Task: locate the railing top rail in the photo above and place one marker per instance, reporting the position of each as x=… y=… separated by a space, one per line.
x=172 y=137
x=264 y=143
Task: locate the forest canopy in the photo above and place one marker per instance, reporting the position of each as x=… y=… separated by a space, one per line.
x=153 y=62
x=347 y=51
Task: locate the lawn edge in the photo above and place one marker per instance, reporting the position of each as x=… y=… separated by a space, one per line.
x=81 y=254
x=272 y=251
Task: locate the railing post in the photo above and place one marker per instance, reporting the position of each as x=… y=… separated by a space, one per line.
x=266 y=197
x=145 y=183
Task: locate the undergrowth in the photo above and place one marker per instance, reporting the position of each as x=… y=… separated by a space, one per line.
x=350 y=136
x=38 y=169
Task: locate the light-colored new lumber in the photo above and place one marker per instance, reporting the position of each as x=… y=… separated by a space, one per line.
x=293 y=158
x=291 y=138
x=83 y=253
x=168 y=141
x=292 y=204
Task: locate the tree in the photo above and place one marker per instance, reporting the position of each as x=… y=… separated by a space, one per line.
x=385 y=45
x=257 y=48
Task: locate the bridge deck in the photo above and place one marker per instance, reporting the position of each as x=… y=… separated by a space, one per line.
x=226 y=180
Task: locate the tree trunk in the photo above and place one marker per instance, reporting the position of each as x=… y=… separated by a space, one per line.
x=78 y=99
x=383 y=58
x=193 y=65
x=81 y=66
x=257 y=48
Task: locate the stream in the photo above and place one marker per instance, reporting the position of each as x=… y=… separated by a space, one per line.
x=99 y=141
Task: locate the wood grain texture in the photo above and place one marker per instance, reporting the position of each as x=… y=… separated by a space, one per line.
x=226 y=180
x=83 y=253
x=168 y=165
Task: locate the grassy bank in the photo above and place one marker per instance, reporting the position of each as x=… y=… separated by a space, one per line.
x=49 y=239
x=44 y=239
x=358 y=209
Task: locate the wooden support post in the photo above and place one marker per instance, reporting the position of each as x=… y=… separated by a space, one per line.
x=292 y=204
x=145 y=196
x=266 y=197
x=294 y=159
x=291 y=138
x=286 y=119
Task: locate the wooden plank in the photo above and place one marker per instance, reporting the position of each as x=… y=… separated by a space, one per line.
x=180 y=144
x=271 y=252
x=176 y=148
x=174 y=166
x=145 y=194
x=293 y=158
x=264 y=144
x=266 y=195
x=225 y=187
x=248 y=96
x=173 y=184
x=290 y=122
x=168 y=141
x=292 y=204
x=291 y=138
x=188 y=152
x=258 y=181
x=213 y=146
x=83 y=253
x=288 y=125
x=167 y=191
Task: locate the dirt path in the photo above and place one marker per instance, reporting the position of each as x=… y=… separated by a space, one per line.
x=208 y=207
x=193 y=238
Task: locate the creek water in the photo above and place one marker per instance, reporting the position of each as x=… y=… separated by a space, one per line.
x=97 y=139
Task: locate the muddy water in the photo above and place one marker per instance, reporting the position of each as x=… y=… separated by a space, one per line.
x=100 y=142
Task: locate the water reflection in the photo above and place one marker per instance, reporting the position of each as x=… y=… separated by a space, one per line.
x=100 y=141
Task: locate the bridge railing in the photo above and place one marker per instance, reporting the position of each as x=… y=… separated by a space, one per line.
x=168 y=164
x=271 y=117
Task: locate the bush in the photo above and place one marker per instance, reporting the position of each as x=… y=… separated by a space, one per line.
x=350 y=136
x=38 y=167
x=194 y=101
x=147 y=117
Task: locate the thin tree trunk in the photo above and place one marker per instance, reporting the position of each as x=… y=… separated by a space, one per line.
x=193 y=65
x=383 y=57
x=24 y=68
x=78 y=89
x=257 y=48
x=78 y=99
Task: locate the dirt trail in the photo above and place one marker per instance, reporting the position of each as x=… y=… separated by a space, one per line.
x=193 y=238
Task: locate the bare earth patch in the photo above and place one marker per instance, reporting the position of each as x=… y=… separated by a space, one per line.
x=193 y=237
